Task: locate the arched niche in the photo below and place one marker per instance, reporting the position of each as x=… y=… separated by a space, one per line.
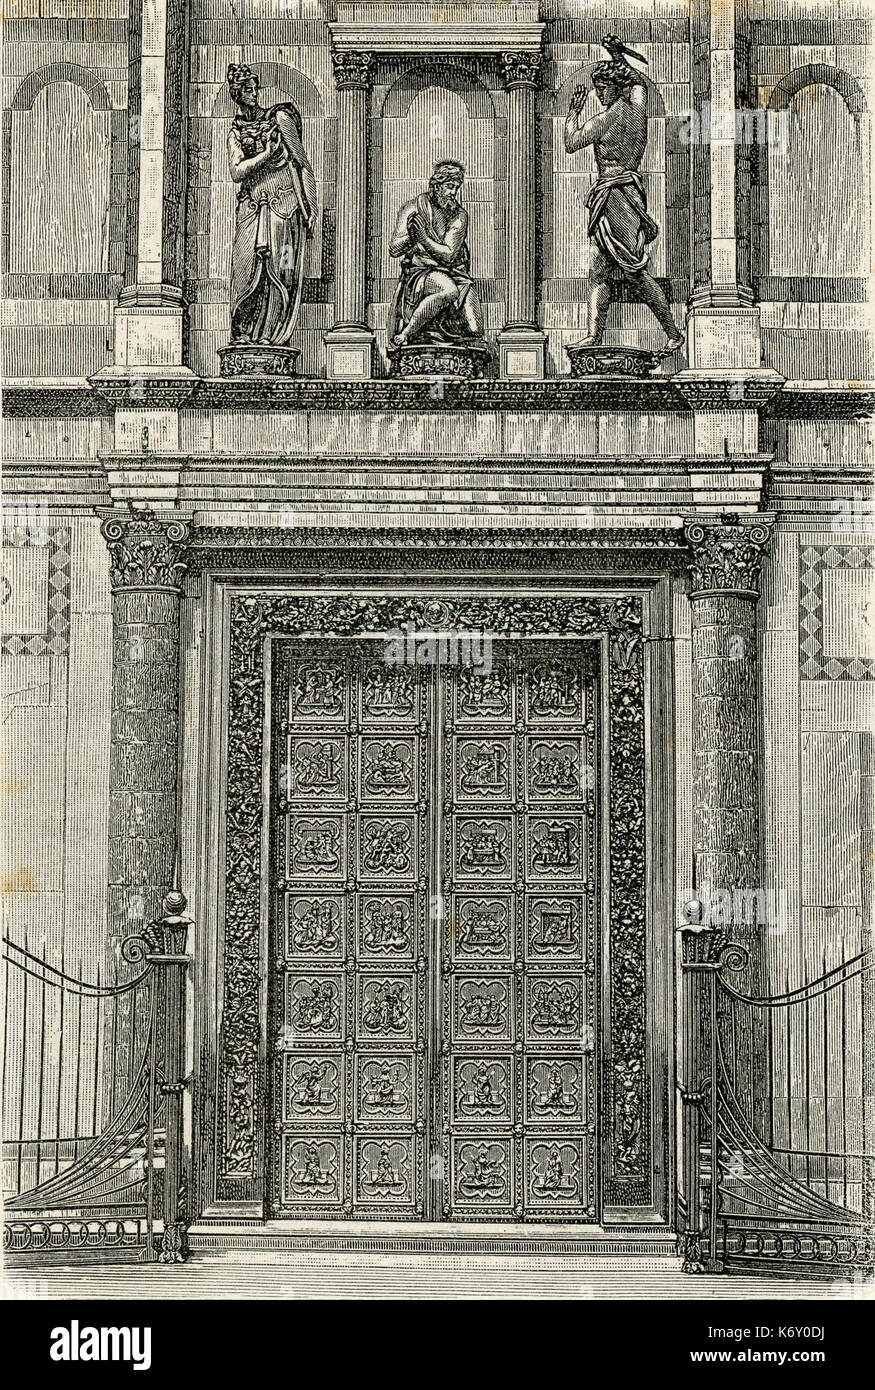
x=58 y=174
x=814 y=225
x=431 y=112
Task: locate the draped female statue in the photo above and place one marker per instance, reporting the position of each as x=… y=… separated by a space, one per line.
x=276 y=214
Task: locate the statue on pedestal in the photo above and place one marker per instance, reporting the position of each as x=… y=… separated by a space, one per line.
x=276 y=214
x=436 y=319
x=620 y=227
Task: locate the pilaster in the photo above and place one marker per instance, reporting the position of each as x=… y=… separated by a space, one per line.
x=521 y=342
x=350 y=342
x=149 y=329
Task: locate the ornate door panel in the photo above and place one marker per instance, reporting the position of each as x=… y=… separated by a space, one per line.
x=432 y=999
x=350 y=852
x=518 y=855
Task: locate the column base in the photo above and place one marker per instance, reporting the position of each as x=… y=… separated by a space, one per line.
x=724 y=337
x=521 y=354
x=148 y=327
x=349 y=353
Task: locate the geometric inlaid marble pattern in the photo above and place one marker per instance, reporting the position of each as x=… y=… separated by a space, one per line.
x=816 y=660
x=48 y=632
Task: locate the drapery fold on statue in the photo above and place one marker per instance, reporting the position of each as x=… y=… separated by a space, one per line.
x=416 y=266
x=619 y=222
x=270 y=241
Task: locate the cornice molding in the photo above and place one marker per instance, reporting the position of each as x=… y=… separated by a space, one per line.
x=744 y=390
x=411 y=28
x=816 y=400
x=523 y=464
x=795 y=400
x=306 y=393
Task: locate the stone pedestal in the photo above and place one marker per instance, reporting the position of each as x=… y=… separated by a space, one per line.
x=521 y=354
x=611 y=360
x=257 y=359
x=723 y=337
x=430 y=360
x=148 y=329
x=349 y=353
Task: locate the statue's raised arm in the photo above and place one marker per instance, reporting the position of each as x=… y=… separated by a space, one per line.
x=620 y=227
x=620 y=54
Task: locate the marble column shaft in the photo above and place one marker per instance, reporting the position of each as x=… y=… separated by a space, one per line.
x=148 y=557
x=520 y=72
x=725 y=565
x=352 y=74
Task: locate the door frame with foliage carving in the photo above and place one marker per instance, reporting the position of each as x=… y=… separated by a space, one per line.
x=241 y=595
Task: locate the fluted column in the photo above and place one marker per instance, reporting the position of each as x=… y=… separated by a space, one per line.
x=350 y=342
x=521 y=341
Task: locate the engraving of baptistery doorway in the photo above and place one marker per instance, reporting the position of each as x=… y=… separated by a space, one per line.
x=436 y=898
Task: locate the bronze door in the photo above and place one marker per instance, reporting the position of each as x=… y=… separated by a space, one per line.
x=432 y=1003
x=519 y=866
x=351 y=848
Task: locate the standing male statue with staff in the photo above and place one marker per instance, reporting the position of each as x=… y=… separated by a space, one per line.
x=620 y=227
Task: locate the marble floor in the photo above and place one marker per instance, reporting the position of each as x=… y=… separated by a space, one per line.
x=236 y=1275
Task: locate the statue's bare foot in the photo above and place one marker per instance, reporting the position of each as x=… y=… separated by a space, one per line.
x=672 y=345
x=399 y=340
x=592 y=340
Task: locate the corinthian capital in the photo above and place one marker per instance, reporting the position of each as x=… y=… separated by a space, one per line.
x=352 y=68
x=520 y=68
x=727 y=555
x=146 y=551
